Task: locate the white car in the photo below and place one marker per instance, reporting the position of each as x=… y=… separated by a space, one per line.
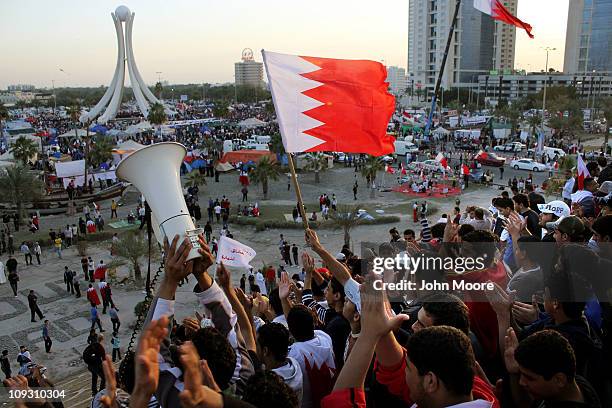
x=387 y=159
x=527 y=164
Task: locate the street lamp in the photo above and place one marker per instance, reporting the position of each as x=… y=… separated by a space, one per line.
x=547 y=49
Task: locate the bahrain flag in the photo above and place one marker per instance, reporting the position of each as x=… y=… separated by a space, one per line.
x=496 y=9
x=325 y=104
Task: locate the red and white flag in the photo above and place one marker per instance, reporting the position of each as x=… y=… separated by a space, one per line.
x=403 y=169
x=389 y=169
x=442 y=160
x=583 y=172
x=325 y=104
x=496 y=9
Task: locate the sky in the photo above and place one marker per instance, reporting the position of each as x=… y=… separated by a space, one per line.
x=73 y=42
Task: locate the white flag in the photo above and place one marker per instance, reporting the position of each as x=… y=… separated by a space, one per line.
x=234 y=253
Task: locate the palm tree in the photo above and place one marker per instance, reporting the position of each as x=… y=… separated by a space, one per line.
x=4 y=115
x=157 y=116
x=130 y=249
x=370 y=168
x=276 y=144
x=74 y=112
x=23 y=149
x=101 y=151
x=19 y=185
x=345 y=218
x=534 y=121
x=316 y=162
x=264 y=171
x=220 y=110
x=195 y=179
x=159 y=88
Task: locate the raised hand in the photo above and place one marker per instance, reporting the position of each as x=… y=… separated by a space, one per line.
x=313 y=240
x=175 y=268
x=526 y=313
x=511 y=343
x=18 y=382
x=147 y=365
x=515 y=224
x=110 y=399
x=376 y=319
x=200 y=265
x=224 y=278
x=192 y=325
x=500 y=300
x=245 y=301
x=308 y=262
x=284 y=286
x=196 y=395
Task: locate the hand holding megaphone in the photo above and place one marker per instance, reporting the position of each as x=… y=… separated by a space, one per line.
x=155 y=171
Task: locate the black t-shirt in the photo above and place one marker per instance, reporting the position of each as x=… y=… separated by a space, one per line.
x=338 y=329
x=591 y=400
x=533 y=222
x=11 y=265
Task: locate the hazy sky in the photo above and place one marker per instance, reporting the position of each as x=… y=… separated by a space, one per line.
x=193 y=41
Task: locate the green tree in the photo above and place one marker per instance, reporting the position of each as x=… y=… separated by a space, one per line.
x=220 y=110
x=345 y=218
x=101 y=151
x=130 y=249
x=264 y=171
x=157 y=116
x=369 y=170
x=534 y=122
x=23 y=149
x=18 y=185
x=195 y=179
x=316 y=162
x=74 y=111
x=159 y=89
x=276 y=144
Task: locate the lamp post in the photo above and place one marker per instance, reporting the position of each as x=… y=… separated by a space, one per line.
x=547 y=49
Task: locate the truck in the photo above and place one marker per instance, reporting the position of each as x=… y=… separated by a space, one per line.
x=403 y=148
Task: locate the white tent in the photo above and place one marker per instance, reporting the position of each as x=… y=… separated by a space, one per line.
x=124 y=149
x=251 y=123
x=441 y=131
x=138 y=128
x=70 y=169
x=80 y=133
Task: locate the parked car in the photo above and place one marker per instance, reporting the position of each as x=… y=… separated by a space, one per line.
x=490 y=159
x=510 y=147
x=430 y=164
x=466 y=146
x=476 y=175
x=527 y=164
x=387 y=159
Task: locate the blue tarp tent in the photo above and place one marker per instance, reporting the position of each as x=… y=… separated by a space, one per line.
x=99 y=129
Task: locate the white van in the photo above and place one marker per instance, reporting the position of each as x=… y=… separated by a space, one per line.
x=403 y=148
x=551 y=152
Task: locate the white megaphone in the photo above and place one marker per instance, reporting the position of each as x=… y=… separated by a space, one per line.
x=155 y=171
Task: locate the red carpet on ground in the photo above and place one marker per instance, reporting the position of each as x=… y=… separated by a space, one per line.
x=435 y=192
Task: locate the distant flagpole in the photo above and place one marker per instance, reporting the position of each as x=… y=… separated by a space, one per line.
x=296 y=185
x=439 y=80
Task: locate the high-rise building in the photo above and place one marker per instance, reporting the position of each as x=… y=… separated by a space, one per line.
x=505 y=41
x=21 y=87
x=248 y=71
x=479 y=44
x=396 y=77
x=588 y=36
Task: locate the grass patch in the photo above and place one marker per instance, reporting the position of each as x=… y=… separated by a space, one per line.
x=262 y=224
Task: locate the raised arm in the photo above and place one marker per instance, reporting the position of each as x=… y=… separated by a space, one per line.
x=225 y=281
x=338 y=269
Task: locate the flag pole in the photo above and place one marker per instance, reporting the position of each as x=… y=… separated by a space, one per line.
x=296 y=185
x=439 y=80
x=298 y=191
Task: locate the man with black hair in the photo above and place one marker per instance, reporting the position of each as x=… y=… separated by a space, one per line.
x=409 y=235
x=277 y=307
x=442 y=309
x=528 y=279
x=267 y=389
x=335 y=325
x=543 y=366
x=505 y=206
x=214 y=347
x=549 y=214
x=569 y=229
x=312 y=350
x=585 y=199
x=602 y=236
x=272 y=350
x=521 y=206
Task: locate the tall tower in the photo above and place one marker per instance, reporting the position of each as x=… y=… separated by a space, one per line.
x=471 y=51
x=505 y=41
x=588 y=36
x=111 y=100
x=248 y=71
